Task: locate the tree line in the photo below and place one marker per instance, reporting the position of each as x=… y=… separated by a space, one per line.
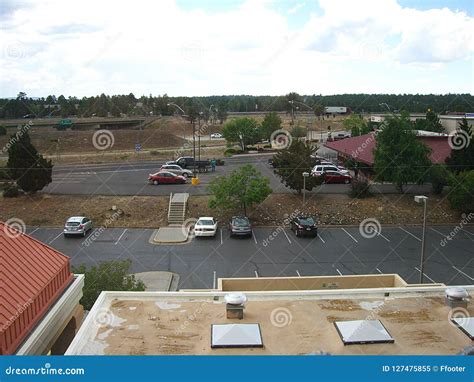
x=217 y=106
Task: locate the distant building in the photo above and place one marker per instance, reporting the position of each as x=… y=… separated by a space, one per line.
x=39 y=299
x=337 y=110
x=360 y=148
x=451 y=122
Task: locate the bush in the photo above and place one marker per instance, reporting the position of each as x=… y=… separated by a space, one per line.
x=439 y=177
x=460 y=195
x=154 y=152
x=219 y=162
x=11 y=191
x=267 y=146
x=232 y=151
x=360 y=189
x=4 y=174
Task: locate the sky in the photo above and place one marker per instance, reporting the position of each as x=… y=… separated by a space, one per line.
x=258 y=47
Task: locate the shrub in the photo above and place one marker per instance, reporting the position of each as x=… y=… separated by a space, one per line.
x=460 y=195
x=219 y=162
x=11 y=191
x=439 y=177
x=232 y=151
x=154 y=152
x=360 y=188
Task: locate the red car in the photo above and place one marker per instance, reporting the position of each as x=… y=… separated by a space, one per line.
x=336 y=177
x=165 y=177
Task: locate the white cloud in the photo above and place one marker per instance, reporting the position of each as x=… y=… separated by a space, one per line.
x=89 y=47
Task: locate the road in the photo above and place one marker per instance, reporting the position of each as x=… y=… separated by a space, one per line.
x=337 y=250
x=131 y=179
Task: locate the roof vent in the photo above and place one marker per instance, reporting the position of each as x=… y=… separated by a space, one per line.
x=235 y=304
x=456 y=297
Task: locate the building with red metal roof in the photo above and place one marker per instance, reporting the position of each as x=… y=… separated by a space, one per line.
x=33 y=278
x=360 y=148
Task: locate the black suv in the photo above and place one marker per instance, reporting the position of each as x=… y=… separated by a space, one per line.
x=304 y=226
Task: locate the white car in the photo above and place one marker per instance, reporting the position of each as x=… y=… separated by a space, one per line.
x=320 y=169
x=205 y=226
x=178 y=170
x=216 y=135
x=77 y=225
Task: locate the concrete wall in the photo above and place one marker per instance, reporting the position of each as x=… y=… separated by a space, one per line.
x=310 y=283
x=450 y=123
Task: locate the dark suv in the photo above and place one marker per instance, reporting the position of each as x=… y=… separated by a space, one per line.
x=240 y=225
x=304 y=226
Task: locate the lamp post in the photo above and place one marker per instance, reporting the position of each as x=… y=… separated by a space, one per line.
x=184 y=113
x=305 y=175
x=422 y=199
x=199 y=135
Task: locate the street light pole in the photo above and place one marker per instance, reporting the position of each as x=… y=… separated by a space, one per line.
x=194 y=148
x=422 y=199
x=305 y=175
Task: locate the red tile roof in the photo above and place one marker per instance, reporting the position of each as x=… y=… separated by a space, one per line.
x=32 y=276
x=361 y=147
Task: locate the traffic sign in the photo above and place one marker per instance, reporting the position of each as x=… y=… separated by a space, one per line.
x=138 y=147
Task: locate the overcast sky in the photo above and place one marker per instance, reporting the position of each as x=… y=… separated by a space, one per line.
x=89 y=47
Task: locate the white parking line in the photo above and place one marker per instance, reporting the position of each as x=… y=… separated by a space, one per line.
x=404 y=230
x=298 y=273
x=214 y=280
x=319 y=237
x=256 y=274
x=123 y=233
x=469 y=233
x=424 y=274
x=434 y=230
x=352 y=237
x=380 y=234
x=338 y=271
x=32 y=232
x=287 y=238
x=379 y=271
x=254 y=238
x=55 y=238
x=464 y=274
x=222 y=240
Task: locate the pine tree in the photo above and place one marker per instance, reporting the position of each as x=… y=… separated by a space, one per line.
x=31 y=171
x=462 y=154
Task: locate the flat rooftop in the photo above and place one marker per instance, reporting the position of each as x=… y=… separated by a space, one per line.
x=291 y=322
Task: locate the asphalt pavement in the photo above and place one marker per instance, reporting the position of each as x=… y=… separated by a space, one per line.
x=277 y=252
x=130 y=178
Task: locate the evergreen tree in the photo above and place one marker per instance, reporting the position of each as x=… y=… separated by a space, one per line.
x=462 y=153
x=31 y=171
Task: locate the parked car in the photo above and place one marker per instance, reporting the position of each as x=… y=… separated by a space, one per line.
x=216 y=135
x=240 y=225
x=320 y=169
x=205 y=226
x=188 y=162
x=166 y=177
x=178 y=170
x=336 y=177
x=304 y=226
x=77 y=225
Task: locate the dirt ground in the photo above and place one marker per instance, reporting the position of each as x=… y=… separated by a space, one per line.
x=151 y=211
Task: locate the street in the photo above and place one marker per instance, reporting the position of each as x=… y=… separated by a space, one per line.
x=277 y=252
x=131 y=179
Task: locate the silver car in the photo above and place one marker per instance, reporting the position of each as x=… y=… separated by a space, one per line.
x=77 y=225
x=176 y=169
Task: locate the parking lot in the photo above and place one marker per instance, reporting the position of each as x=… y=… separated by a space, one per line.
x=277 y=252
